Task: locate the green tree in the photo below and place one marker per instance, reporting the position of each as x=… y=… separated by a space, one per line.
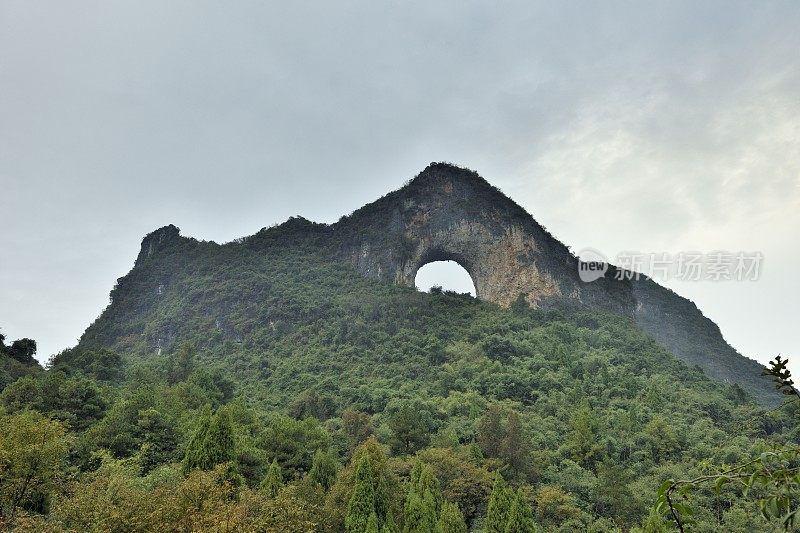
x=32 y=451
x=220 y=443
x=23 y=350
x=654 y=523
x=613 y=496
x=362 y=502
x=386 y=487
x=212 y=443
x=490 y=431
x=372 y=523
x=182 y=364
x=423 y=500
x=273 y=481
x=451 y=520
x=515 y=448
x=158 y=437
x=582 y=441
x=293 y=442
x=195 y=456
x=499 y=506
x=420 y=514
x=323 y=469
x=520 y=516
x=428 y=487
x=357 y=426
x=410 y=430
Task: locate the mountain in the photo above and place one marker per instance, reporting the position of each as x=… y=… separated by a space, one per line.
x=444 y=213
x=295 y=380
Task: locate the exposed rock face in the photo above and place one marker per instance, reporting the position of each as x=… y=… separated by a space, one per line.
x=448 y=213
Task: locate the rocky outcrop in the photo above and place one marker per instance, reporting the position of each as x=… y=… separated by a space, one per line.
x=449 y=213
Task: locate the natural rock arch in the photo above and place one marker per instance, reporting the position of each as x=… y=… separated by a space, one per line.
x=450 y=213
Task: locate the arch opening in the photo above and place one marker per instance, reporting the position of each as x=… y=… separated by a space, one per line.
x=448 y=275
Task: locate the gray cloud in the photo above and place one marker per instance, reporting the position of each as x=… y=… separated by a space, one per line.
x=670 y=126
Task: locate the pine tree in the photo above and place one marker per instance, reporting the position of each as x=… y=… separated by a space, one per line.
x=583 y=440
x=362 y=501
x=499 y=506
x=423 y=501
x=323 y=469
x=428 y=487
x=420 y=516
x=383 y=506
x=273 y=481
x=416 y=472
x=451 y=520
x=520 y=516
x=654 y=523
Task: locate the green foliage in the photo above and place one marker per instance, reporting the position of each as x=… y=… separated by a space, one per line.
x=500 y=504
x=75 y=400
x=350 y=492
x=32 y=451
x=273 y=481
x=323 y=469
x=582 y=443
x=17 y=360
x=307 y=365
x=182 y=364
x=212 y=443
x=451 y=520
x=411 y=427
x=419 y=513
x=22 y=350
x=520 y=516
x=772 y=478
x=372 y=523
x=293 y=442
x=361 y=506
x=490 y=431
x=158 y=438
x=423 y=501
x=98 y=363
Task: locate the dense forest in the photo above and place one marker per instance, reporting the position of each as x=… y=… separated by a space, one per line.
x=323 y=401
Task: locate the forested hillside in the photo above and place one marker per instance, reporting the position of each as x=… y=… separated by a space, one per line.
x=259 y=386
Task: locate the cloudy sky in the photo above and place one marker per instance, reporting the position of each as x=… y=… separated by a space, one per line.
x=666 y=128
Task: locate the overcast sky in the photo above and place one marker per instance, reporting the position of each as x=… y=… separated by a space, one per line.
x=666 y=128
